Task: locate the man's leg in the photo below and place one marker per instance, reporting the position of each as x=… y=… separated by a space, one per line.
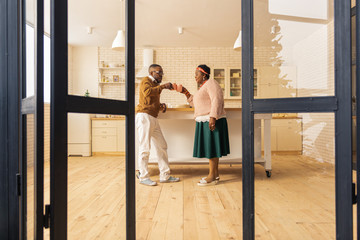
x=143 y=126
x=160 y=146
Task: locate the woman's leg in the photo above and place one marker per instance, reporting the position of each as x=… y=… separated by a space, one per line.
x=213 y=169
x=216 y=167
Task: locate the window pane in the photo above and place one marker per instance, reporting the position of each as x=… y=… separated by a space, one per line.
x=294 y=48
x=30 y=60
x=30 y=175
x=96 y=177
x=95 y=69
x=298 y=200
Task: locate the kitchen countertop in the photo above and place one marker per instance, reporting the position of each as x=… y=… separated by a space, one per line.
x=109 y=118
x=169 y=110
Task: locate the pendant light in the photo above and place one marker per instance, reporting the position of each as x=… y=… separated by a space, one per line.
x=119 y=41
x=237 y=44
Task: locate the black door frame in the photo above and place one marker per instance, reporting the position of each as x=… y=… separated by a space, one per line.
x=10 y=52
x=10 y=118
x=356 y=11
x=62 y=104
x=340 y=104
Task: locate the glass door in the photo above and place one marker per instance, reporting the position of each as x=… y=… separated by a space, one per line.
x=92 y=95
x=32 y=119
x=299 y=89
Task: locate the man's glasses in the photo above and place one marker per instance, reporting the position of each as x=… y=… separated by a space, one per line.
x=159 y=72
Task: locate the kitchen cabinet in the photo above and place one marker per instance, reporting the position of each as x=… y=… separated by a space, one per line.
x=286 y=135
x=108 y=135
x=79 y=134
x=229 y=79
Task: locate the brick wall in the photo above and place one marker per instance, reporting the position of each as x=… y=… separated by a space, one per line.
x=179 y=66
x=30 y=136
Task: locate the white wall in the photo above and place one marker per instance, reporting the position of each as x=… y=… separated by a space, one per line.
x=84 y=70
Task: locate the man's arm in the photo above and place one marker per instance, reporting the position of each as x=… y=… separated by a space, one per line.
x=148 y=89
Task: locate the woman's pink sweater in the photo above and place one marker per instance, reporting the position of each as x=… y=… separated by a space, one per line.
x=208 y=100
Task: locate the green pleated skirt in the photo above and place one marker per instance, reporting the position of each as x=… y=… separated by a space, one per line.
x=211 y=144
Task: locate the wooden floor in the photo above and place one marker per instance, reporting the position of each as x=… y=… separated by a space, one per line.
x=297 y=202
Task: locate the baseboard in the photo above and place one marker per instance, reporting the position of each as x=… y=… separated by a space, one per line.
x=284 y=152
x=108 y=154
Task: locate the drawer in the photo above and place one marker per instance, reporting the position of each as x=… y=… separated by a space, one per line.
x=104 y=131
x=104 y=144
x=104 y=123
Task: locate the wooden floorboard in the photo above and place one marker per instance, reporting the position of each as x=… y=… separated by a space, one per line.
x=297 y=202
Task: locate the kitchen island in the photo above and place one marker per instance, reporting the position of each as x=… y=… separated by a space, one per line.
x=178 y=127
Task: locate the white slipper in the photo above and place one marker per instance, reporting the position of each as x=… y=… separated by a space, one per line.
x=216 y=179
x=204 y=183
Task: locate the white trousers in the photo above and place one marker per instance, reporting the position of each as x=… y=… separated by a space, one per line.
x=150 y=135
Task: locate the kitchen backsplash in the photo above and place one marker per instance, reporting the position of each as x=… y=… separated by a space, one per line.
x=179 y=66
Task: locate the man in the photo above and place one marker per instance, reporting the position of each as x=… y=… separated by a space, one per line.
x=148 y=126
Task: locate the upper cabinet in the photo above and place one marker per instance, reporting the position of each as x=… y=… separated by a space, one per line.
x=220 y=76
x=229 y=80
x=234 y=88
x=269 y=81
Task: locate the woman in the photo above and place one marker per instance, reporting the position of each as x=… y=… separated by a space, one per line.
x=211 y=134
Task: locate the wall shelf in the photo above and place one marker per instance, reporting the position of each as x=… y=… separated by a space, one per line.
x=107 y=76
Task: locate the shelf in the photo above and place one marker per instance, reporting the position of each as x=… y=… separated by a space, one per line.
x=102 y=69
x=110 y=68
x=235 y=87
x=112 y=82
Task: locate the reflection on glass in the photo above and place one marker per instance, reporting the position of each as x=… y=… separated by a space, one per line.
x=299 y=199
x=30 y=60
x=30 y=162
x=96 y=176
x=95 y=69
x=294 y=48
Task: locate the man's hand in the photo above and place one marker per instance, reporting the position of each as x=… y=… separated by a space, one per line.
x=212 y=122
x=163 y=107
x=167 y=85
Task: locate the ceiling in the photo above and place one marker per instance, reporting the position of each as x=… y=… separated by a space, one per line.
x=206 y=23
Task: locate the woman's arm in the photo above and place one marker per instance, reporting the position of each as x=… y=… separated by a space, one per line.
x=184 y=91
x=217 y=100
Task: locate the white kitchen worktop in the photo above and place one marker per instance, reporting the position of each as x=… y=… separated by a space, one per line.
x=178 y=127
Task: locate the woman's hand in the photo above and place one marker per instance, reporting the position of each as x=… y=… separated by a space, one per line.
x=212 y=123
x=179 y=88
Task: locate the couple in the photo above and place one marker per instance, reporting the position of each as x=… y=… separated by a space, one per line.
x=211 y=133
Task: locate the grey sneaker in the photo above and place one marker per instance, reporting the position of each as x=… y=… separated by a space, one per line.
x=170 y=179
x=148 y=182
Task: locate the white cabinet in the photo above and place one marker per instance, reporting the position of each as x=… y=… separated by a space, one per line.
x=108 y=136
x=286 y=135
x=229 y=79
x=79 y=135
